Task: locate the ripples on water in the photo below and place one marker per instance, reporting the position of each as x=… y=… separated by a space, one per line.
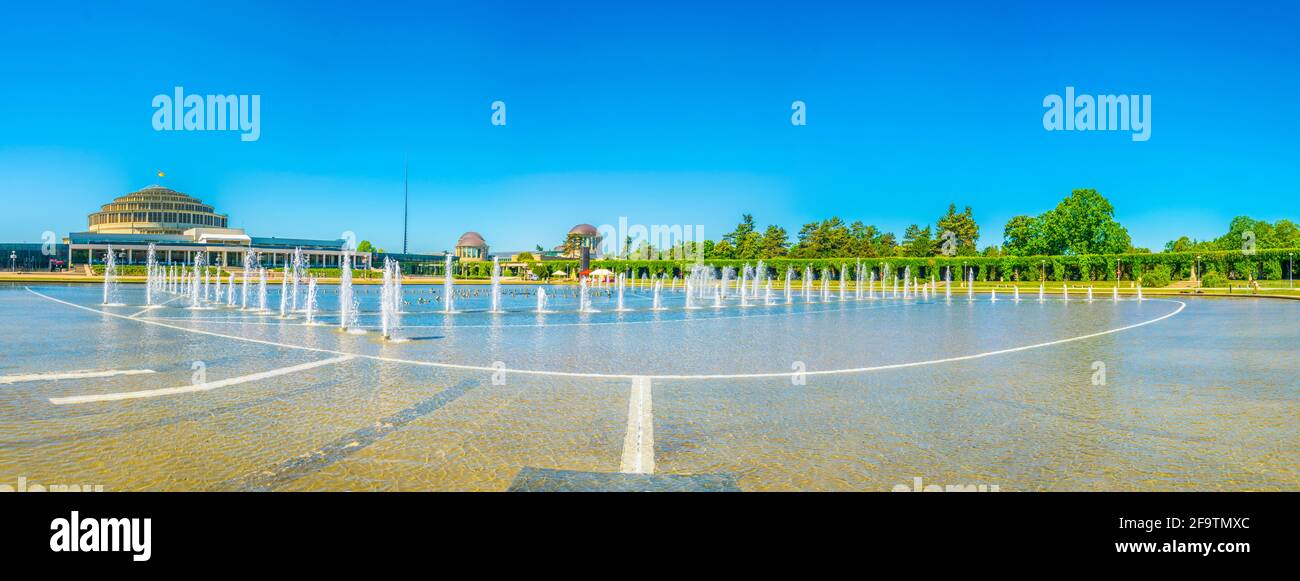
x=1203 y=400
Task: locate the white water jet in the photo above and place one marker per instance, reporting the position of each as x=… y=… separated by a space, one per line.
x=311 y=300
x=297 y=267
x=844 y=281
x=200 y=264
x=243 y=293
x=620 y=281
x=1114 y=293
x=390 y=298
x=744 y=286
x=284 y=288
x=448 y=287
x=857 y=281
x=496 y=284
x=807 y=284
x=656 y=303
x=110 y=277
x=584 y=297
x=150 y=274
x=541 y=300
x=261 y=288
x=789 y=295
x=347 y=298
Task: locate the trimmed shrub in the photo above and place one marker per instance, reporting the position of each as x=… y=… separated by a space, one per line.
x=1158 y=276
x=1214 y=280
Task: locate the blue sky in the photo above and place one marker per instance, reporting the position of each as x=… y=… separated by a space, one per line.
x=663 y=112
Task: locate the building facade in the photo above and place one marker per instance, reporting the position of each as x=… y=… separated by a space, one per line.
x=179 y=227
x=471 y=247
x=155 y=210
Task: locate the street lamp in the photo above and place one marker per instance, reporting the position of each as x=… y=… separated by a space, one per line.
x=1290 y=259
x=1200 y=276
x=13 y=260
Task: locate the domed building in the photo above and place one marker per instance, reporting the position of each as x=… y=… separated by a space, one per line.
x=155 y=210
x=471 y=247
x=583 y=236
x=178 y=227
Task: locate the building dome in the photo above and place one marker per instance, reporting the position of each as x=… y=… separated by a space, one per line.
x=471 y=247
x=584 y=230
x=155 y=210
x=471 y=239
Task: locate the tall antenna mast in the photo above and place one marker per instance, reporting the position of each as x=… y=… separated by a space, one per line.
x=406 y=199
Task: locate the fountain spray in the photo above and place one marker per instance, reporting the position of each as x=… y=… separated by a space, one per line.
x=448 y=287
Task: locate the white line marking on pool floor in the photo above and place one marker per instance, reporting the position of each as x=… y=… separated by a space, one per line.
x=88 y=374
x=639 y=443
x=208 y=386
x=542 y=372
x=147 y=309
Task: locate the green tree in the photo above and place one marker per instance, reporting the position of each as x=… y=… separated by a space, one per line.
x=1022 y=237
x=365 y=246
x=825 y=239
x=1083 y=223
x=1182 y=244
x=963 y=227
x=862 y=239
x=917 y=242
x=723 y=250
x=745 y=239
x=774 y=242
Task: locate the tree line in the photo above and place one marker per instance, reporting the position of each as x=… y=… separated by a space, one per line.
x=1082 y=224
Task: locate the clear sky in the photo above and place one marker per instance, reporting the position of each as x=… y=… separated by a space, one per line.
x=663 y=112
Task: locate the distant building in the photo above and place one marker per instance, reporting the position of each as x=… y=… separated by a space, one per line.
x=181 y=226
x=587 y=237
x=155 y=210
x=471 y=247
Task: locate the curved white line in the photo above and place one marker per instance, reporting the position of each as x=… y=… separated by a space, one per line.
x=1181 y=306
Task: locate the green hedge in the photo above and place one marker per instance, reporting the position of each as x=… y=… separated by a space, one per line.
x=1234 y=265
